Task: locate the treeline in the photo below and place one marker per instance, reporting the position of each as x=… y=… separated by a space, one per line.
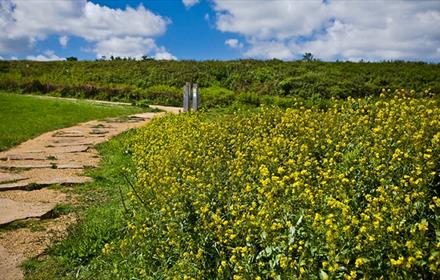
x=222 y=82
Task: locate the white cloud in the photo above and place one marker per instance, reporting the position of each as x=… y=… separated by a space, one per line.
x=134 y=47
x=234 y=43
x=63 y=40
x=80 y=18
x=48 y=55
x=190 y=3
x=1 y=57
x=269 y=49
x=268 y=19
x=164 y=55
x=125 y=47
x=371 y=30
x=22 y=23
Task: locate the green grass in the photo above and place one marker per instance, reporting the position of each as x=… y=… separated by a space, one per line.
x=101 y=219
x=24 y=117
x=32 y=224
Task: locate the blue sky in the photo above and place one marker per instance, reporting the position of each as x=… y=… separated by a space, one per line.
x=220 y=29
x=190 y=35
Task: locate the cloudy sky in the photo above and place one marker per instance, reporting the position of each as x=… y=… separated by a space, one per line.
x=220 y=29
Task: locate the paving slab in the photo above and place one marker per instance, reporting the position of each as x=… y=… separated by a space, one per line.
x=10 y=177
x=66 y=133
x=15 y=210
x=68 y=149
x=24 y=165
x=23 y=157
x=70 y=166
x=13 y=186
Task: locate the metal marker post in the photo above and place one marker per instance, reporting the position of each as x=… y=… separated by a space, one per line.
x=198 y=98
x=186 y=92
x=195 y=97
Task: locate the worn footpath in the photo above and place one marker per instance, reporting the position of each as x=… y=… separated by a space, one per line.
x=54 y=158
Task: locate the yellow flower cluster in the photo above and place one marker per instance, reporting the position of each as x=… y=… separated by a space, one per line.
x=346 y=192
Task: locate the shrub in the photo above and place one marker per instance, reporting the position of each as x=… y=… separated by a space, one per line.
x=216 y=97
x=162 y=94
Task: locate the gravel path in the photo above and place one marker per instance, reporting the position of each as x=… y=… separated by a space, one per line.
x=57 y=157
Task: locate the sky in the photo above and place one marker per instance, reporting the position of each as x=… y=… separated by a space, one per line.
x=331 y=30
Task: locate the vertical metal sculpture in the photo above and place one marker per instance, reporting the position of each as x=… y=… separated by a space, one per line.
x=186 y=93
x=191 y=97
x=195 y=97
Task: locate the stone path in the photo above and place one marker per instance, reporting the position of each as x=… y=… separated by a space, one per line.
x=57 y=157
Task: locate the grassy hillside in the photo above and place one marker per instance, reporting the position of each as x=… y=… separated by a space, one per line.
x=222 y=82
x=23 y=117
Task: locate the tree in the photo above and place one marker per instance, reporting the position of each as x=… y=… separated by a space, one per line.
x=308 y=57
x=71 y=58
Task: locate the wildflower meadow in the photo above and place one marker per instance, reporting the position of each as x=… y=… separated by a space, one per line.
x=348 y=192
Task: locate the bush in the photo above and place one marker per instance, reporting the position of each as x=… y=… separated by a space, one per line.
x=216 y=97
x=348 y=192
x=164 y=95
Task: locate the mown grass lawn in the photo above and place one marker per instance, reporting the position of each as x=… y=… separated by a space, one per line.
x=23 y=117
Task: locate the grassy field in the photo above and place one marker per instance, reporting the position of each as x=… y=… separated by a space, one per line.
x=24 y=117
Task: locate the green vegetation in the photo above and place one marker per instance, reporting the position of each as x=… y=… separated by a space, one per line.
x=24 y=117
x=342 y=184
x=222 y=82
x=347 y=192
x=33 y=225
x=350 y=191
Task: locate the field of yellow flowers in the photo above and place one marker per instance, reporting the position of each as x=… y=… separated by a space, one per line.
x=348 y=192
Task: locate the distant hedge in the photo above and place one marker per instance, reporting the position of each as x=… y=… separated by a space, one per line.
x=161 y=81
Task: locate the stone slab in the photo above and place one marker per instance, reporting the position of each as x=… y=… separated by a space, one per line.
x=13 y=186
x=68 y=149
x=59 y=144
x=70 y=166
x=12 y=165
x=22 y=157
x=61 y=180
x=13 y=211
x=10 y=177
x=64 y=133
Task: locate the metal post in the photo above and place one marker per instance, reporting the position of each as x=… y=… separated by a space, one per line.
x=195 y=97
x=186 y=92
x=198 y=98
